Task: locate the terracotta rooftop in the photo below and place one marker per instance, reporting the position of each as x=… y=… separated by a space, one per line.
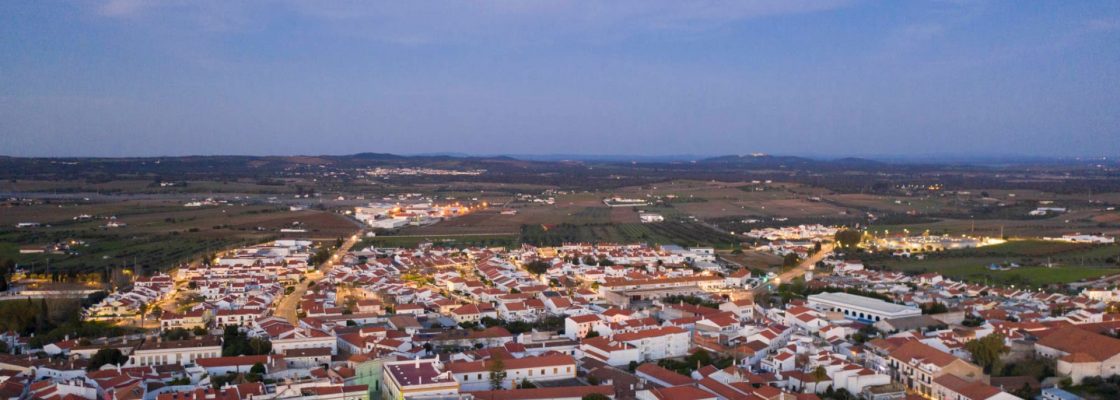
x=920 y=351
x=669 y=377
x=972 y=390
x=1073 y=340
x=544 y=393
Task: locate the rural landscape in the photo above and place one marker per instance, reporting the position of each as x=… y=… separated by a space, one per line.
x=168 y=217
x=559 y=200
x=349 y=276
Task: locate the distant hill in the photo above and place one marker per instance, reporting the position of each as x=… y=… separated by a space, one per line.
x=849 y=174
x=769 y=161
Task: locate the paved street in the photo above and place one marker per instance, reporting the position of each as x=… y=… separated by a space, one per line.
x=287 y=307
x=801 y=268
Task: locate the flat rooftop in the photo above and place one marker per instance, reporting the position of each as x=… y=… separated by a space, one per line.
x=417 y=373
x=861 y=302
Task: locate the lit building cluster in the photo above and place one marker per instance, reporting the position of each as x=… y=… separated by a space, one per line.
x=396 y=215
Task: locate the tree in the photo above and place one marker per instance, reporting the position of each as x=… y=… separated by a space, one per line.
x=934 y=308
x=820 y=374
x=497 y=373
x=972 y=321
x=4 y=271
x=865 y=333
x=790 y=260
x=987 y=350
x=257 y=368
x=144 y=310
x=1024 y=392
x=258 y=346
x=844 y=394
x=106 y=356
x=176 y=334
x=536 y=267
x=42 y=321
x=595 y=396
x=236 y=343
x=848 y=238
x=591 y=334
x=700 y=358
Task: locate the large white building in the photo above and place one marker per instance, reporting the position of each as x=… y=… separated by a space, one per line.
x=859 y=307
x=182 y=352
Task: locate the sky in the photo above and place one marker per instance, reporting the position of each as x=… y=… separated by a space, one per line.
x=630 y=77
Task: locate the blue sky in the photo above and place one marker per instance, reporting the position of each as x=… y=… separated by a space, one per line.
x=648 y=77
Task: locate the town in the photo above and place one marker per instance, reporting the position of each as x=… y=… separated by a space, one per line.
x=299 y=319
x=574 y=200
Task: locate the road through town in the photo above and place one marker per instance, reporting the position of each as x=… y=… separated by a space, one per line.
x=801 y=268
x=287 y=307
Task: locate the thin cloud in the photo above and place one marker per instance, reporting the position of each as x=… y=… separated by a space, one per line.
x=429 y=21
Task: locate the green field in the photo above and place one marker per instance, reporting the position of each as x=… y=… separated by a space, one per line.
x=1042 y=263
x=155 y=252
x=157 y=236
x=680 y=233
x=976 y=270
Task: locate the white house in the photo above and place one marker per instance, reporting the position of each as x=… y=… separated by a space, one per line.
x=475 y=375
x=655 y=344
